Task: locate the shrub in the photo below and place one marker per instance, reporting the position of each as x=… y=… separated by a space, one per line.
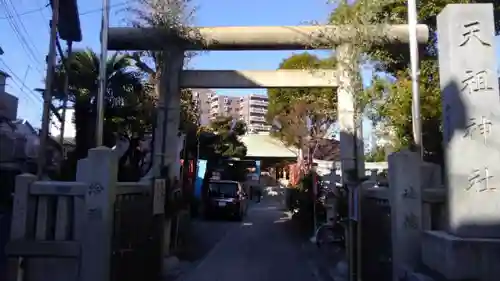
x=302 y=199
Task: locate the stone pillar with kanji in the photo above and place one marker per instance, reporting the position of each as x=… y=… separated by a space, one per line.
x=468 y=248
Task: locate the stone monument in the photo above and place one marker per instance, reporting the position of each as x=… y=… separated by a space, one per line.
x=470 y=97
x=469 y=84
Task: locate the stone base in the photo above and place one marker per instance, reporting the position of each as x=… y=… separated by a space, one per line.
x=459 y=258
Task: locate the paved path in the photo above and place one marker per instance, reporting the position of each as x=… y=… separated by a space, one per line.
x=259 y=249
x=203 y=236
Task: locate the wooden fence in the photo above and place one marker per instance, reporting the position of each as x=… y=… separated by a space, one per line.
x=95 y=229
x=136 y=239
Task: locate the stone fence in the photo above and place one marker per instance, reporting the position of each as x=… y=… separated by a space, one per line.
x=94 y=229
x=393 y=218
x=405 y=229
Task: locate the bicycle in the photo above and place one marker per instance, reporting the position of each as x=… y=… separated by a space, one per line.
x=332 y=234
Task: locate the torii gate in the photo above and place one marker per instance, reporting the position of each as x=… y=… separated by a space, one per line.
x=173 y=78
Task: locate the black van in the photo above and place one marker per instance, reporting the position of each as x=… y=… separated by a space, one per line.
x=226 y=198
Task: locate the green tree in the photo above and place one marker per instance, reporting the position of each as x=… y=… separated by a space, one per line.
x=283 y=99
x=171 y=14
x=301 y=113
x=389 y=99
x=174 y=15
x=220 y=140
x=376 y=155
x=228 y=132
x=217 y=142
x=395 y=110
x=189 y=112
x=127 y=104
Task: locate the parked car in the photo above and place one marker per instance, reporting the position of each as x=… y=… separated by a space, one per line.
x=226 y=198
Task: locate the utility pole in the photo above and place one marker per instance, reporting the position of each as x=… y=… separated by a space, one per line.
x=47 y=94
x=66 y=86
x=102 y=73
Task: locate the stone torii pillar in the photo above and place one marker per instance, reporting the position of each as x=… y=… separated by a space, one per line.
x=168 y=119
x=349 y=119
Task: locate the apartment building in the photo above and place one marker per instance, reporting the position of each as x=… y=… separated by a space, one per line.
x=221 y=105
x=202 y=99
x=253 y=110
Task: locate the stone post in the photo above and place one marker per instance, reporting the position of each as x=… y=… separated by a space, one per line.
x=19 y=223
x=373 y=175
x=406 y=209
x=468 y=78
x=100 y=171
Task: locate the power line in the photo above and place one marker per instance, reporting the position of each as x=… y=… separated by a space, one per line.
x=31 y=95
x=27 y=12
x=40 y=9
x=100 y=9
x=42 y=15
x=18 y=27
x=22 y=26
x=17 y=31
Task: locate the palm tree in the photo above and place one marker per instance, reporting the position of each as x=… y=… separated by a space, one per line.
x=128 y=105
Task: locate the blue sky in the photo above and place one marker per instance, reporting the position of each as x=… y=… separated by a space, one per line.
x=27 y=66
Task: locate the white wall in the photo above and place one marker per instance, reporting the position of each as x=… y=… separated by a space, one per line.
x=324 y=167
x=69 y=127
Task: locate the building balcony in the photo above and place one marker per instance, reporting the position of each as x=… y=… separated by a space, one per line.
x=214 y=103
x=259 y=127
x=258 y=110
x=257 y=118
x=259 y=102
